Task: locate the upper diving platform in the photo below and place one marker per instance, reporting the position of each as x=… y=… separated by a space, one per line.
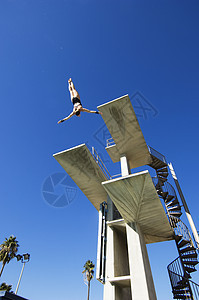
x=81 y=166
x=136 y=199
x=122 y=123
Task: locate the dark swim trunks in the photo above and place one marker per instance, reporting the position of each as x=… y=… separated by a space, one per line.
x=76 y=100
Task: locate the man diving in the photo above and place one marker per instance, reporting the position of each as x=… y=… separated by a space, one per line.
x=77 y=105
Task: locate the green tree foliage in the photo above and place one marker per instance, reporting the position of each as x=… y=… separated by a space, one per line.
x=8 y=251
x=89 y=271
x=5 y=287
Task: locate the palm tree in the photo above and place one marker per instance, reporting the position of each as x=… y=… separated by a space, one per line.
x=89 y=271
x=8 y=251
x=5 y=287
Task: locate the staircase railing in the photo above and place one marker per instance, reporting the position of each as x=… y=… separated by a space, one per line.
x=194 y=287
x=177 y=279
x=167 y=187
x=176 y=267
x=180 y=228
x=179 y=270
x=196 y=245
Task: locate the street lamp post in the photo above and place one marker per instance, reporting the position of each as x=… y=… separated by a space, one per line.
x=24 y=259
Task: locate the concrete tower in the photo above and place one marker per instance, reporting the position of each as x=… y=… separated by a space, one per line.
x=131 y=213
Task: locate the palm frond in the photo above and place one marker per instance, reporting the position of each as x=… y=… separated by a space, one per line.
x=89 y=269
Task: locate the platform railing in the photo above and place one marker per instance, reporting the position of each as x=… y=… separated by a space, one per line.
x=157 y=154
x=116 y=175
x=110 y=142
x=101 y=163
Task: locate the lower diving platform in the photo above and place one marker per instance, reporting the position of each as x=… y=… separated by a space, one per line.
x=80 y=165
x=137 y=201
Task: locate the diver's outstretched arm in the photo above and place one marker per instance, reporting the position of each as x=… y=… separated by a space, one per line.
x=91 y=111
x=60 y=121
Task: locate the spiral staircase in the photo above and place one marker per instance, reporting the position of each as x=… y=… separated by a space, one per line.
x=181 y=268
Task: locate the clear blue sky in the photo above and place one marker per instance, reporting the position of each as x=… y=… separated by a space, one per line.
x=109 y=48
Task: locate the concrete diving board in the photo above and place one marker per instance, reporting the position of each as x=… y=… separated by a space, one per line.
x=136 y=199
x=80 y=165
x=125 y=130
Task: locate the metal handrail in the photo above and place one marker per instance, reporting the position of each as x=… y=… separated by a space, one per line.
x=167 y=187
x=180 y=229
x=116 y=175
x=110 y=142
x=176 y=269
x=157 y=154
x=178 y=226
x=193 y=287
x=196 y=245
x=101 y=163
x=176 y=266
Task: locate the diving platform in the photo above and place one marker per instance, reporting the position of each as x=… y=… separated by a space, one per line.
x=80 y=165
x=137 y=201
x=121 y=121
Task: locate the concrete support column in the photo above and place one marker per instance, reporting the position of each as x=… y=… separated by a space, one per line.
x=142 y=286
x=188 y=214
x=124 y=166
x=109 y=289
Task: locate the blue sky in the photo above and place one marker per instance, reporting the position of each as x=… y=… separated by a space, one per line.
x=109 y=48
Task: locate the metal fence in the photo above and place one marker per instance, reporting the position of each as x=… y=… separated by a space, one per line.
x=180 y=229
x=100 y=163
x=157 y=154
x=110 y=142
